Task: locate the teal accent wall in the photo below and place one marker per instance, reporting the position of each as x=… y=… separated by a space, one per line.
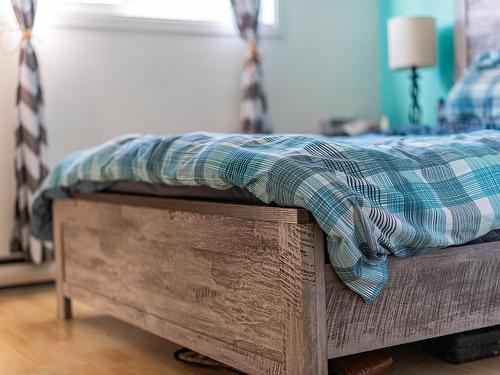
x=435 y=82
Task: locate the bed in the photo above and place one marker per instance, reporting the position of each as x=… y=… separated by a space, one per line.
x=249 y=284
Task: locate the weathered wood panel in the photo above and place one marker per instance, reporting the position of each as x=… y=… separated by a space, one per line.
x=303 y=290
x=245 y=211
x=477 y=30
x=440 y=293
x=247 y=292
x=170 y=270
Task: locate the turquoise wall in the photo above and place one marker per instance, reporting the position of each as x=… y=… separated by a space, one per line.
x=435 y=82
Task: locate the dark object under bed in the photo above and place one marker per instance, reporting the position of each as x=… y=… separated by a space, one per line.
x=370 y=363
x=466 y=346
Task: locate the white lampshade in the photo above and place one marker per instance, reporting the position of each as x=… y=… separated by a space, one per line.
x=412 y=42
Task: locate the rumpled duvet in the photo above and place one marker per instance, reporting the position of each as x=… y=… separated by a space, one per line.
x=373 y=197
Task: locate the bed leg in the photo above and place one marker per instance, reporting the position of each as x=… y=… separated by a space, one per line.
x=64 y=310
x=63 y=303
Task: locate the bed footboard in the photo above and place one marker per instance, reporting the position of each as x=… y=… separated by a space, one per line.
x=242 y=284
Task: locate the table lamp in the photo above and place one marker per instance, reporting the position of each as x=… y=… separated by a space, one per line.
x=412 y=45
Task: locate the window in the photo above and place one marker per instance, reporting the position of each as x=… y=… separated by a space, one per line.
x=210 y=16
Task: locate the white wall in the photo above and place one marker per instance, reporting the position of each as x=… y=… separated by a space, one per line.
x=7 y=88
x=8 y=78
x=100 y=84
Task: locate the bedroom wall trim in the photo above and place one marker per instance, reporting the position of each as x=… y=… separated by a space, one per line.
x=25 y=273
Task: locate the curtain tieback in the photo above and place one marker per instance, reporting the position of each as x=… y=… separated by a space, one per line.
x=27 y=34
x=253 y=52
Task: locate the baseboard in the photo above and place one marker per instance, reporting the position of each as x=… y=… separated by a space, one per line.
x=14 y=257
x=23 y=273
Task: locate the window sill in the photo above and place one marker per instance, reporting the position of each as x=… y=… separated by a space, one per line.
x=145 y=24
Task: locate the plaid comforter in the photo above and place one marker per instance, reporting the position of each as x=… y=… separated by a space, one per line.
x=373 y=198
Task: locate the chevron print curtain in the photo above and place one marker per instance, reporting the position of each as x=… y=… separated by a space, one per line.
x=31 y=137
x=253 y=114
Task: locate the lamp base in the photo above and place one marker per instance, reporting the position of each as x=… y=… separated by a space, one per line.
x=415 y=111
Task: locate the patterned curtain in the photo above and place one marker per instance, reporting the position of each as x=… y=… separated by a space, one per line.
x=254 y=116
x=31 y=137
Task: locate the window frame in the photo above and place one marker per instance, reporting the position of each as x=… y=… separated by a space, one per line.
x=108 y=17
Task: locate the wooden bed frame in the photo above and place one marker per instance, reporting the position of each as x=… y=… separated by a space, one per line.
x=477 y=29
x=249 y=285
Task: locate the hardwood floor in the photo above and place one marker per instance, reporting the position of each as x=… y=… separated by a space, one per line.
x=33 y=341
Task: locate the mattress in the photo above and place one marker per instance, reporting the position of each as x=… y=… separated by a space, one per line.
x=232 y=195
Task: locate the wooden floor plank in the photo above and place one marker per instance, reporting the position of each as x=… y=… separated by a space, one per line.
x=33 y=341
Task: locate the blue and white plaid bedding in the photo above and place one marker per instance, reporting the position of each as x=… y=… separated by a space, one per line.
x=373 y=197
x=474 y=101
